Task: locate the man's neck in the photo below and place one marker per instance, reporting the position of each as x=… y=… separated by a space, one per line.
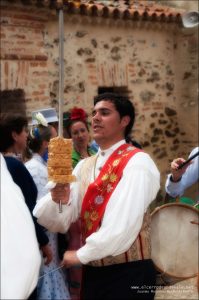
x=107 y=145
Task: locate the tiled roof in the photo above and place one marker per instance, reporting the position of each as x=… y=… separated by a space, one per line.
x=117 y=9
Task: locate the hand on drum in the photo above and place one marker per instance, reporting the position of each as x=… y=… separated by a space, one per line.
x=177 y=173
x=61 y=192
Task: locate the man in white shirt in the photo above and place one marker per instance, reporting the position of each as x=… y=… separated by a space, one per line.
x=112 y=193
x=180 y=179
x=20 y=256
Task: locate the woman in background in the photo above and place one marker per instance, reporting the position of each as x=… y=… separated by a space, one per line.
x=53 y=285
x=78 y=130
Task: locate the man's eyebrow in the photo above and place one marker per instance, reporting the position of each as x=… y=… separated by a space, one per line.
x=102 y=109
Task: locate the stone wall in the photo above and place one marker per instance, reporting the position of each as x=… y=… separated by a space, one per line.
x=157 y=63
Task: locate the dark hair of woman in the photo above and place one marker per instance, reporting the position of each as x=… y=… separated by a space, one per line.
x=10 y=123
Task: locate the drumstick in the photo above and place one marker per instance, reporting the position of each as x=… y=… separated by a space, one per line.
x=188 y=160
x=194 y=222
x=53 y=270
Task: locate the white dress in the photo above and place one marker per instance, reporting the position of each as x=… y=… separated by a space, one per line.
x=54 y=285
x=20 y=257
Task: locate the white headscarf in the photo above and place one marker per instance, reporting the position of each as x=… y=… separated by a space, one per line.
x=20 y=256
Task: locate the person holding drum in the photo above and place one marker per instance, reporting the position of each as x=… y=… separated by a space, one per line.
x=113 y=191
x=183 y=174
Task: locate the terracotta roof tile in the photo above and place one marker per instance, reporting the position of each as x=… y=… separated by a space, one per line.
x=133 y=10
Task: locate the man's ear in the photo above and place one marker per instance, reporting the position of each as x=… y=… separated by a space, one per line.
x=125 y=121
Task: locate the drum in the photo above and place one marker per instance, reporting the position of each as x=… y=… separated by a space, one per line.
x=185 y=289
x=174 y=238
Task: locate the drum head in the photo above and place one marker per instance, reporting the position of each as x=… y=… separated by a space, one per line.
x=174 y=238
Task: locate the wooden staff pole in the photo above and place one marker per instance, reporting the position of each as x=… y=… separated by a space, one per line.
x=61 y=77
x=61 y=70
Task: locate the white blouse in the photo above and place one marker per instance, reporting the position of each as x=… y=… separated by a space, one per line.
x=38 y=170
x=124 y=212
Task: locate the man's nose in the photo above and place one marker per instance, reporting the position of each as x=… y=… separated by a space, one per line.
x=96 y=117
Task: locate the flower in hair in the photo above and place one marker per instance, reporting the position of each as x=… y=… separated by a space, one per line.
x=78 y=114
x=34 y=133
x=40 y=119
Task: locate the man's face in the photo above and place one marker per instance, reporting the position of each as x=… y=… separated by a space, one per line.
x=108 y=127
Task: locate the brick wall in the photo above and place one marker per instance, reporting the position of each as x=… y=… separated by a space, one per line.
x=23 y=58
x=156 y=62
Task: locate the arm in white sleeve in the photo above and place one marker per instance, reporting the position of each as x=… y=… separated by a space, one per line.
x=47 y=211
x=124 y=213
x=190 y=176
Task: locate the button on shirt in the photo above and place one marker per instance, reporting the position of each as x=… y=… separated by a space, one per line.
x=100 y=161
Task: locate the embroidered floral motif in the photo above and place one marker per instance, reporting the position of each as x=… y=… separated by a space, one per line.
x=120 y=152
x=94 y=215
x=99 y=200
x=116 y=162
x=86 y=215
x=89 y=225
x=113 y=177
x=109 y=188
x=105 y=177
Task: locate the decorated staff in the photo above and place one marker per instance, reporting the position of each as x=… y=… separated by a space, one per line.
x=60 y=149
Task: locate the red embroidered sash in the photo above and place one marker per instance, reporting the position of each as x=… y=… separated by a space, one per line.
x=99 y=192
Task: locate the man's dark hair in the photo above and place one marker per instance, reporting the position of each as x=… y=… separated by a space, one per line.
x=122 y=104
x=10 y=123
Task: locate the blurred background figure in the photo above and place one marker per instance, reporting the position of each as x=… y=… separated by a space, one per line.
x=53 y=285
x=20 y=256
x=13 y=142
x=51 y=117
x=77 y=128
x=94 y=146
x=49 y=114
x=181 y=179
